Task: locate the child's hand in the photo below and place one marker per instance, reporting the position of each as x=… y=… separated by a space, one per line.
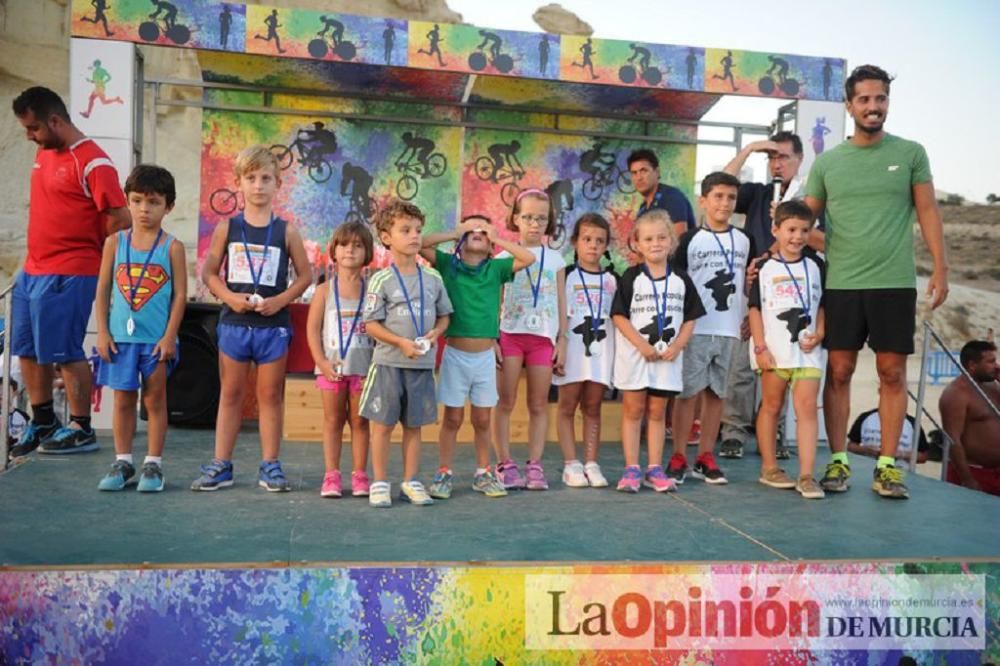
x=765 y=360
x=166 y=348
x=409 y=349
x=475 y=224
x=239 y=303
x=326 y=368
x=670 y=353
x=809 y=341
x=432 y=335
x=105 y=346
x=648 y=352
x=559 y=358
x=269 y=306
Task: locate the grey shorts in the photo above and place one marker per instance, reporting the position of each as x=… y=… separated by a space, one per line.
x=706 y=364
x=399 y=395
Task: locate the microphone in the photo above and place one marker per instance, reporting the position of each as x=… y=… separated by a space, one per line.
x=776 y=196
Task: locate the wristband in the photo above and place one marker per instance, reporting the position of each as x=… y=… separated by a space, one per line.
x=759 y=349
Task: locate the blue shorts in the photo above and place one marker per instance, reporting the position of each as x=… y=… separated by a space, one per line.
x=134 y=363
x=260 y=344
x=50 y=314
x=468 y=376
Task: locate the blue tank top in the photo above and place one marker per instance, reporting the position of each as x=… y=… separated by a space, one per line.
x=154 y=291
x=269 y=264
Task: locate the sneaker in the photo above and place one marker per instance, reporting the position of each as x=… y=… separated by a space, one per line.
x=695 y=436
x=380 y=495
x=781 y=452
x=776 y=478
x=594 y=475
x=151 y=479
x=271 y=477
x=441 y=485
x=360 y=484
x=809 y=489
x=535 y=475
x=488 y=484
x=835 y=478
x=677 y=468
x=888 y=482
x=510 y=475
x=658 y=480
x=216 y=474
x=414 y=493
x=332 y=484
x=574 y=476
x=68 y=440
x=120 y=475
x=706 y=468
x=631 y=480
x=32 y=436
x=731 y=448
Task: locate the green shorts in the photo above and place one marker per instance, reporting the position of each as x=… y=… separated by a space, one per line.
x=792 y=375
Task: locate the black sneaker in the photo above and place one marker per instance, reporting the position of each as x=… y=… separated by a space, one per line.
x=68 y=440
x=33 y=435
x=731 y=448
x=706 y=469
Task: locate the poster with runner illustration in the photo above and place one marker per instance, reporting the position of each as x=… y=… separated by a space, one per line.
x=620 y=62
x=773 y=75
x=467 y=48
x=188 y=23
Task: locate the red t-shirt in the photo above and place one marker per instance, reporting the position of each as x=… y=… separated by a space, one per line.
x=70 y=191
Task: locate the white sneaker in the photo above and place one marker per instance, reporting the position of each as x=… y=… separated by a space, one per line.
x=594 y=475
x=573 y=475
x=379 y=494
x=414 y=493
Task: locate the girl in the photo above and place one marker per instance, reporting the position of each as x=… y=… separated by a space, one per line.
x=590 y=349
x=654 y=311
x=532 y=334
x=342 y=352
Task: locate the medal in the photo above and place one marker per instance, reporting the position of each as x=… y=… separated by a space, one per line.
x=133 y=289
x=344 y=345
x=806 y=304
x=660 y=346
x=661 y=308
x=731 y=259
x=418 y=326
x=338 y=369
x=595 y=318
x=255 y=276
x=423 y=345
x=534 y=322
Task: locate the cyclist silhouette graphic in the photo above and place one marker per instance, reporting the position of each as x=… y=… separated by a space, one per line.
x=418 y=148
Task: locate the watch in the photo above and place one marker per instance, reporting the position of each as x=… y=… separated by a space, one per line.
x=759 y=349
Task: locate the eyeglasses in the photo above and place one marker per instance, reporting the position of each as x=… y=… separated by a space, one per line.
x=535 y=219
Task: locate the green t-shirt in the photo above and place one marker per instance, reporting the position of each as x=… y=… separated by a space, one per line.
x=475 y=294
x=868 y=193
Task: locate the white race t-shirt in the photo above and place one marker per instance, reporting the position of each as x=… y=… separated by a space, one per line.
x=590 y=347
x=520 y=313
x=716 y=262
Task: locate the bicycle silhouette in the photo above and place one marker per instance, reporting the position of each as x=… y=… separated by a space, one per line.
x=785 y=83
x=319 y=169
x=503 y=63
x=628 y=73
x=344 y=49
x=561 y=195
x=225 y=202
x=604 y=178
x=361 y=209
x=513 y=174
x=150 y=31
x=411 y=168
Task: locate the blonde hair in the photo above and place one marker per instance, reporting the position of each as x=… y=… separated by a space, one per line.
x=253 y=158
x=386 y=217
x=654 y=216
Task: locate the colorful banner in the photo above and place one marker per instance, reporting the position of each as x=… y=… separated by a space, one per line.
x=308 y=33
x=671 y=614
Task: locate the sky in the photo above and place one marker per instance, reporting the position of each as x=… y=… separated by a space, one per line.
x=945 y=57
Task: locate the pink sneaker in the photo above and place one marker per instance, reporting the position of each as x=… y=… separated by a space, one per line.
x=658 y=480
x=331 y=484
x=360 y=485
x=510 y=475
x=536 y=476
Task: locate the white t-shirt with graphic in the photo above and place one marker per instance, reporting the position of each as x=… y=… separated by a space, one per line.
x=337 y=333
x=590 y=333
x=640 y=301
x=716 y=262
x=519 y=313
x=789 y=296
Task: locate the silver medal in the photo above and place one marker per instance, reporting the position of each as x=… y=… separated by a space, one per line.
x=533 y=322
x=130 y=326
x=255 y=299
x=660 y=347
x=339 y=369
x=423 y=345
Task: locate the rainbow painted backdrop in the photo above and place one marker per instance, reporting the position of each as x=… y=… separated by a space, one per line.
x=377 y=615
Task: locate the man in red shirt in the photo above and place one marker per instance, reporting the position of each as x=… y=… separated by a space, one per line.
x=76 y=202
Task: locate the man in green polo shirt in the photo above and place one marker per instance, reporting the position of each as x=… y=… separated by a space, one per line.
x=873 y=186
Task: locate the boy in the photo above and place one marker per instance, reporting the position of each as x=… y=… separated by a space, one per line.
x=787 y=325
x=254 y=325
x=715 y=258
x=402 y=300
x=474 y=281
x=141 y=293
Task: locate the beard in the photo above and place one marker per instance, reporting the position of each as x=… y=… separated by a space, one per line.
x=871 y=130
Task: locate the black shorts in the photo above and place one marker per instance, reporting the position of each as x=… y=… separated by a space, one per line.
x=884 y=317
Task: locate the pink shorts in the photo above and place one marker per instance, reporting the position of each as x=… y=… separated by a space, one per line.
x=536 y=349
x=351 y=383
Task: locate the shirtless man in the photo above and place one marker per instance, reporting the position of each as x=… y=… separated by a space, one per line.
x=973 y=427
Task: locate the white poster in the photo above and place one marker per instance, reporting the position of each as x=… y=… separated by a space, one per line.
x=820 y=125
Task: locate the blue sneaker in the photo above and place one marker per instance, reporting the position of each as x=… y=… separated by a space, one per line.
x=216 y=474
x=151 y=480
x=32 y=436
x=120 y=475
x=68 y=440
x=272 y=477
x=441 y=485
